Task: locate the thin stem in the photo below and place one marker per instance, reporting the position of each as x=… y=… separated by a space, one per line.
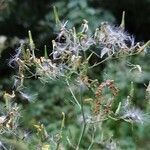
x=82 y=111
x=110 y=117
x=71 y=145
x=81 y=136
x=84 y=122
x=99 y=62
x=73 y=94
x=60 y=134
x=3 y=146
x=92 y=141
x=139 y=51
x=147 y=44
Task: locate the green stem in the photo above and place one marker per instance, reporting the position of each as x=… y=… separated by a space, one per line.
x=92 y=141
x=73 y=94
x=81 y=136
x=84 y=122
x=115 y=119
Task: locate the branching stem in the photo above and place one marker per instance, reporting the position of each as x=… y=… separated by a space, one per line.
x=73 y=94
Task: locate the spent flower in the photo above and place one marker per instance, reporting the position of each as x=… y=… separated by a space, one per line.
x=113 y=40
x=134 y=115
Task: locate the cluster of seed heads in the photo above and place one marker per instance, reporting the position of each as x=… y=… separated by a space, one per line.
x=99 y=96
x=69 y=48
x=68 y=55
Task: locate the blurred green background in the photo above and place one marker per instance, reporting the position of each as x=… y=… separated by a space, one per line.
x=49 y=100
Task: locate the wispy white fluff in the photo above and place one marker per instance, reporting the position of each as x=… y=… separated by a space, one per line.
x=134 y=115
x=113 y=39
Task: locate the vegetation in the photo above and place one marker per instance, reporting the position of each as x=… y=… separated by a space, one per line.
x=91 y=91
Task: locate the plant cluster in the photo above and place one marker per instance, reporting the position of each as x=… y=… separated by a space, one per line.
x=70 y=62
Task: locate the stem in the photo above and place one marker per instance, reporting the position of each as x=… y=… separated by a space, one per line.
x=3 y=147
x=60 y=134
x=139 y=51
x=143 y=47
x=81 y=136
x=84 y=122
x=99 y=62
x=73 y=94
x=115 y=119
x=92 y=140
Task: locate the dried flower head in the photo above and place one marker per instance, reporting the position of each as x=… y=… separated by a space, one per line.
x=113 y=40
x=134 y=115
